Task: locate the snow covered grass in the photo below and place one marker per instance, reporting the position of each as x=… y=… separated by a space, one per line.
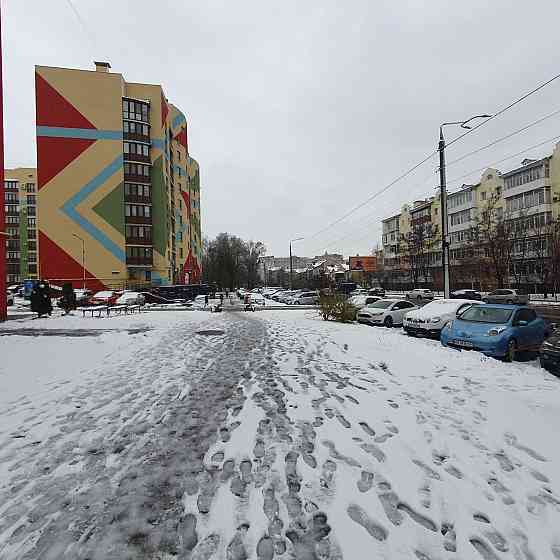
x=284 y=437
x=451 y=442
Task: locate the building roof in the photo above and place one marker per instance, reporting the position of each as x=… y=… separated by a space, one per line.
x=392 y=217
x=526 y=164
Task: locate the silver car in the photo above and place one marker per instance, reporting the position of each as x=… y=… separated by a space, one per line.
x=506 y=296
x=305 y=298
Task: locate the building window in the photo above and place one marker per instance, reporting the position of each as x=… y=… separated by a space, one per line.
x=135 y=110
x=12 y=219
x=31 y=234
x=136 y=148
x=31 y=200
x=12 y=185
x=31 y=222
x=11 y=197
x=483 y=195
x=30 y=187
x=32 y=269
x=148 y=275
x=136 y=169
x=31 y=211
x=32 y=245
x=137 y=210
x=11 y=208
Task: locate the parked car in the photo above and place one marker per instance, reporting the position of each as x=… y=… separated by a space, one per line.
x=506 y=296
x=497 y=330
x=377 y=292
x=276 y=296
x=466 y=294
x=105 y=297
x=430 y=319
x=420 y=294
x=287 y=295
x=359 y=302
x=83 y=296
x=549 y=354
x=257 y=299
x=388 y=312
x=131 y=298
x=305 y=298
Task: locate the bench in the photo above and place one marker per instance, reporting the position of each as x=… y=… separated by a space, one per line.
x=117 y=310
x=133 y=308
x=94 y=309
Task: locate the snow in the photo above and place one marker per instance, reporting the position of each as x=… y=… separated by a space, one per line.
x=132 y=436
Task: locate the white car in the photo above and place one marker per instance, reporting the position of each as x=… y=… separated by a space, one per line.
x=362 y=300
x=131 y=298
x=420 y=294
x=257 y=299
x=388 y=312
x=432 y=318
x=305 y=298
x=286 y=296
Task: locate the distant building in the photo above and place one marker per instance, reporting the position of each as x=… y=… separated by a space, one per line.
x=20 y=202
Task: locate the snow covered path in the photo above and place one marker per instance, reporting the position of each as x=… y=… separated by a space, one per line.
x=285 y=437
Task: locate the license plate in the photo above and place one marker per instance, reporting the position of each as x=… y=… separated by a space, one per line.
x=463 y=343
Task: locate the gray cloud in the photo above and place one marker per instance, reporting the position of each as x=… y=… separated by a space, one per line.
x=300 y=110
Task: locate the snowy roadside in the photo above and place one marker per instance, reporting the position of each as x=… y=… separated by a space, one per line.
x=284 y=437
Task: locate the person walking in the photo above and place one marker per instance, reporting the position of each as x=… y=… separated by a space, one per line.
x=68 y=299
x=206 y=300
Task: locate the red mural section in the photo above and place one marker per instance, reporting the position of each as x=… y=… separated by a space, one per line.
x=55 y=153
x=181 y=137
x=55 y=110
x=164 y=110
x=58 y=267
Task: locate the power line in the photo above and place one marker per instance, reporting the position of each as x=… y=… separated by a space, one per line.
x=370 y=224
x=510 y=135
x=456 y=180
x=427 y=158
x=502 y=111
x=375 y=195
x=83 y=24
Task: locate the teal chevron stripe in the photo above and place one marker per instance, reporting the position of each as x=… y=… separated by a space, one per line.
x=178 y=120
x=83 y=133
x=69 y=208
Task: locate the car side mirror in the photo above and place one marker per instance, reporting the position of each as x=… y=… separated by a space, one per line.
x=521 y=323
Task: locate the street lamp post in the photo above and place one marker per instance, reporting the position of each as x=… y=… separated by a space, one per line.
x=291 y=265
x=83 y=260
x=443 y=201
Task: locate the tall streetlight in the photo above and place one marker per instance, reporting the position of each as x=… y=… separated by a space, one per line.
x=83 y=260
x=291 y=266
x=443 y=200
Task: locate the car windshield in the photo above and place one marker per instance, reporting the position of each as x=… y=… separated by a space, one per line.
x=382 y=304
x=484 y=314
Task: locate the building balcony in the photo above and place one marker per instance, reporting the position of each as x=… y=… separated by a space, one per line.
x=138 y=220
x=137 y=137
x=137 y=157
x=136 y=198
x=543 y=182
x=524 y=212
x=139 y=261
x=137 y=178
x=139 y=241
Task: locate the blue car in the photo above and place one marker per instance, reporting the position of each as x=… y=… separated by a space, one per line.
x=496 y=330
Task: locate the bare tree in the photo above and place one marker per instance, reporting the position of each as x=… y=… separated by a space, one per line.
x=416 y=246
x=493 y=234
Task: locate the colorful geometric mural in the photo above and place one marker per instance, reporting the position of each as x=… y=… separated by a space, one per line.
x=84 y=178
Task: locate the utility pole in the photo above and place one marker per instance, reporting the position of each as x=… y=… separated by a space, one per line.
x=3 y=293
x=83 y=260
x=443 y=200
x=291 y=264
x=444 y=224
x=291 y=268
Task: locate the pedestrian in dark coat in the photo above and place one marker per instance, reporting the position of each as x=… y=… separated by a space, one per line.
x=68 y=300
x=41 y=299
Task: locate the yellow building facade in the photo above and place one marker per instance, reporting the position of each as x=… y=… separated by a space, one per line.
x=115 y=197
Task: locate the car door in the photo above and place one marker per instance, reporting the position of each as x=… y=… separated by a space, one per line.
x=534 y=328
x=398 y=310
x=525 y=333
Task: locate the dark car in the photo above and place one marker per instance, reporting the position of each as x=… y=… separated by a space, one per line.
x=466 y=294
x=550 y=353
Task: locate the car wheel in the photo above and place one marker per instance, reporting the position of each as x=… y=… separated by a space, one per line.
x=388 y=321
x=511 y=351
x=485 y=300
x=509 y=301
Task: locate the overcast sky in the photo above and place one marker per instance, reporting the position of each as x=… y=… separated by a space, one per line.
x=298 y=111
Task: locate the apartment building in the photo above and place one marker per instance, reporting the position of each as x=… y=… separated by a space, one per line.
x=20 y=200
x=527 y=198
x=118 y=192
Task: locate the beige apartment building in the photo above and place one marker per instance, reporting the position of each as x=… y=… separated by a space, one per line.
x=526 y=197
